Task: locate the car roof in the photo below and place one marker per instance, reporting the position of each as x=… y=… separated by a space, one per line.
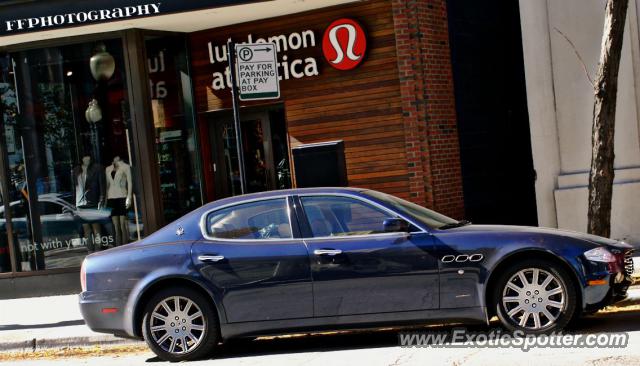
x=281 y=192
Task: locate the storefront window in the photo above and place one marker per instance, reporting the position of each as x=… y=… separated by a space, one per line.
x=70 y=160
x=170 y=91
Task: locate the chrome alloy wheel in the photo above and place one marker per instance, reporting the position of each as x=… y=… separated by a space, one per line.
x=177 y=325
x=534 y=298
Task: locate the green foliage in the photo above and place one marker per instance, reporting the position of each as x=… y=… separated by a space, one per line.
x=57 y=119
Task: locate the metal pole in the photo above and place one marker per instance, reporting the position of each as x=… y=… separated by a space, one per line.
x=231 y=54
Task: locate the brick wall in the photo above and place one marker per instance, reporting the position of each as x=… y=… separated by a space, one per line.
x=428 y=105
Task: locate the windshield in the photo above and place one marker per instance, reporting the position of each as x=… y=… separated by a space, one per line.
x=431 y=218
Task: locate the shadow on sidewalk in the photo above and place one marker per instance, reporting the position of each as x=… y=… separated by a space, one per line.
x=624 y=321
x=65 y=323
x=318 y=342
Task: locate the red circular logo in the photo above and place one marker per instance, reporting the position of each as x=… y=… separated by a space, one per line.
x=344 y=44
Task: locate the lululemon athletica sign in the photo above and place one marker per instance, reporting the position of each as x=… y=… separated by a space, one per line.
x=344 y=44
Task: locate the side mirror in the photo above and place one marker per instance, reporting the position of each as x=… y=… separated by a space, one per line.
x=395 y=225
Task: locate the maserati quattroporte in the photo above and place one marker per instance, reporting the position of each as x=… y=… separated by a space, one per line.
x=326 y=258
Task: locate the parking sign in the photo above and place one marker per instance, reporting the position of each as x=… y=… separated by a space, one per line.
x=257 y=71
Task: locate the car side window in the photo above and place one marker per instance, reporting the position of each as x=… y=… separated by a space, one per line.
x=342 y=216
x=258 y=220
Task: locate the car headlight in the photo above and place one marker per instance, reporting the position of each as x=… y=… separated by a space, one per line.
x=600 y=254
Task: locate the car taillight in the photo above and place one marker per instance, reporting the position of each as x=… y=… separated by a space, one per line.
x=83 y=276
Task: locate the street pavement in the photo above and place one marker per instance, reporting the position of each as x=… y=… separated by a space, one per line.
x=381 y=348
x=56 y=322
x=47 y=322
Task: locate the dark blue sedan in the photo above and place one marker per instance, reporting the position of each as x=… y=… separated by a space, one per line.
x=306 y=259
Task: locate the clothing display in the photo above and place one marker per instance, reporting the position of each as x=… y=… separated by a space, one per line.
x=118 y=180
x=118 y=206
x=88 y=183
x=119 y=192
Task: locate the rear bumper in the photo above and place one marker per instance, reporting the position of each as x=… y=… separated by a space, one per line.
x=104 y=311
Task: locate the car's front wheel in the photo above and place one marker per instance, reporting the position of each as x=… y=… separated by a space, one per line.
x=535 y=296
x=180 y=324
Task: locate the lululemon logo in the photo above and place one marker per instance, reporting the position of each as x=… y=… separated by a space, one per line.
x=344 y=44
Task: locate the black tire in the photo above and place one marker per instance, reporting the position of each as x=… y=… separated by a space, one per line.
x=563 y=315
x=208 y=338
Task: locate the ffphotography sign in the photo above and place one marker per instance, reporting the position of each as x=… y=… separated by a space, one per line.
x=34 y=16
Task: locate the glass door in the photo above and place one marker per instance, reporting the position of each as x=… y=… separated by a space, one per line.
x=174 y=125
x=265 y=149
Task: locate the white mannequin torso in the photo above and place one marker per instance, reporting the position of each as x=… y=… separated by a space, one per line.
x=118 y=181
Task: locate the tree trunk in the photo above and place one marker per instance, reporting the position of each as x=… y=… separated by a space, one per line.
x=604 y=117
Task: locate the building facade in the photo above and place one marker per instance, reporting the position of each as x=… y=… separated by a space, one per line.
x=116 y=116
x=560 y=101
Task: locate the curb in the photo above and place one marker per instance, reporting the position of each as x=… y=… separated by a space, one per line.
x=34 y=344
x=630 y=301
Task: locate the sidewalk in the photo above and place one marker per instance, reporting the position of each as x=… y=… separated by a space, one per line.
x=55 y=322
x=47 y=322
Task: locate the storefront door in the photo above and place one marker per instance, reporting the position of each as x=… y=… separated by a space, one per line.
x=265 y=151
x=176 y=148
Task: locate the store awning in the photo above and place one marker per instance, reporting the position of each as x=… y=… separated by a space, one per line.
x=64 y=20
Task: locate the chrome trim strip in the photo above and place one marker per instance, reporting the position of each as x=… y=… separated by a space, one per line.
x=205 y=234
x=330 y=252
x=361 y=236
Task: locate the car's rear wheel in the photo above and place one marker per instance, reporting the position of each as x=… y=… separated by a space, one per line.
x=535 y=296
x=180 y=324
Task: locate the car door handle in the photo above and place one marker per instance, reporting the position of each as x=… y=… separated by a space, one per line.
x=210 y=258
x=330 y=252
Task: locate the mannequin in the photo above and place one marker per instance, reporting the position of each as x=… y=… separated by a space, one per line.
x=88 y=183
x=119 y=192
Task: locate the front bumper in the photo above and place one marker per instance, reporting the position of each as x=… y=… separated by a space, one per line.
x=103 y=311
x=614 y=280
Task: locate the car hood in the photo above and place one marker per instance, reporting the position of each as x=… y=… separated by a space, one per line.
x=597 y=240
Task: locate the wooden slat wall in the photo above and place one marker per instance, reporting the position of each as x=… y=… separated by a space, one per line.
x=360 y=106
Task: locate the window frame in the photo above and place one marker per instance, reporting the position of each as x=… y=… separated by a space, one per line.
x=290 y=215
x=303 y=217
